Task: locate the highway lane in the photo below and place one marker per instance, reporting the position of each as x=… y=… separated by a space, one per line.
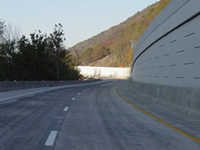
x=101 y=119
x=28 y=117
x=91 y=116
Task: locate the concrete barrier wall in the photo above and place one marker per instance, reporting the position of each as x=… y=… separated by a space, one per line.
x=167 y=58
x=16 y=85
x=184 y=99
x=111 y=72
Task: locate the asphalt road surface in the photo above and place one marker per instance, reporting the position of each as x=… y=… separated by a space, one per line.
x=97 y=116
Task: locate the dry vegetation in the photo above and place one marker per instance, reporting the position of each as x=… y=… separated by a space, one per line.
x=114 y=43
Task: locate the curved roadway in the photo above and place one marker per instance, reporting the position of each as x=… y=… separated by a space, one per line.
x=92 y=116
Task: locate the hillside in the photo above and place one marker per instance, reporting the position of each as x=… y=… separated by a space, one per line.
x=114 y=42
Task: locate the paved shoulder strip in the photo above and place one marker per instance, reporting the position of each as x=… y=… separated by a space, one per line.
x=48 y=89
x=169 y=125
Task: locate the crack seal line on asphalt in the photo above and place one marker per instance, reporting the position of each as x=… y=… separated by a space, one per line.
x=167 y=124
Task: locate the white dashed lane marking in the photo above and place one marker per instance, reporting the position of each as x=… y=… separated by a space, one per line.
x=51 y=139
x=66 y=109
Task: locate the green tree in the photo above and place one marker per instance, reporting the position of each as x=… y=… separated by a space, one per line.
x=27 y=60
x=8 y=44
x=2 y=27
x=56 y=40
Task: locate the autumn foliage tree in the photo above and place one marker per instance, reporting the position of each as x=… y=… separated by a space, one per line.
x=93 y=54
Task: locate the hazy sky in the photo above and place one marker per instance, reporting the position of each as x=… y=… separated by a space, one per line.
x=81 y=19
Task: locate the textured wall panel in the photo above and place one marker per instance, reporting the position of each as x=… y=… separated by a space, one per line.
x=168 y=53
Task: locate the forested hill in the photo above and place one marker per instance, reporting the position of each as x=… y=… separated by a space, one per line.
x=113 y=44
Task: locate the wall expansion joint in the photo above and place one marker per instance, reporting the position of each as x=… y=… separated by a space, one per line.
x=180 y=51
x=197 y=47
x=189 y=34
x=172 y=65
x=172 y=41
x=190 y=63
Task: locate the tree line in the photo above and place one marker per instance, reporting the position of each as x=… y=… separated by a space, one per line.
x=40 y=57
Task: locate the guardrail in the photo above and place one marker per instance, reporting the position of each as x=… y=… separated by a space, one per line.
x=16 y=85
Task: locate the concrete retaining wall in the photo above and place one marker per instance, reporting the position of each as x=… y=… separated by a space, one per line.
x=166 y=59
x=111 y=72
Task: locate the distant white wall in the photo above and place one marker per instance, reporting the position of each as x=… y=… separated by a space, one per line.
x=112 y=72
x=168 y=53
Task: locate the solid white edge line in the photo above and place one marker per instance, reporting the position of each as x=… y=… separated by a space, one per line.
x=50 y=89
x=66 y=109
x=51 y=139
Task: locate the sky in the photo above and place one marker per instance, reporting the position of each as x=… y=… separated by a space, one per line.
x=81 y=19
